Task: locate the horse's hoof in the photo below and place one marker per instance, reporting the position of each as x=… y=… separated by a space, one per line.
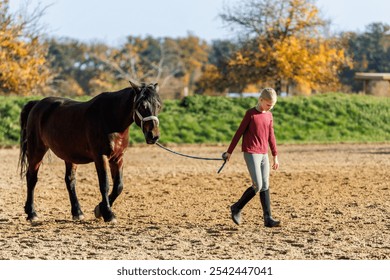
x=97 y=212
x=32 y=218
x=78 y=218
x=112 y=221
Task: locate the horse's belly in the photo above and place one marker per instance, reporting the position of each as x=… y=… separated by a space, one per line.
x=73 y=157
x=71 y=153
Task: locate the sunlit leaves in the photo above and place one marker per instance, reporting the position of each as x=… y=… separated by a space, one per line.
x=23 y=68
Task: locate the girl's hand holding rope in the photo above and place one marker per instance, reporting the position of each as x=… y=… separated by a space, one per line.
x=226 y=156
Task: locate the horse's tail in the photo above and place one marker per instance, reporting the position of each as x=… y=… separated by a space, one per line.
x=23 y=136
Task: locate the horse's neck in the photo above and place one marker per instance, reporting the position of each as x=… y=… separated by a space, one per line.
x=126 y=107
x=118 y=110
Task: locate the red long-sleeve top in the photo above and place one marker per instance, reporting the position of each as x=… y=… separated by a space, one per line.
x=258 y=132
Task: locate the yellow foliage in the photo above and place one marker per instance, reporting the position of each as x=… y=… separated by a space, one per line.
x=251 y=88
x=23 y=68
x=308 y=61
x=211 y=76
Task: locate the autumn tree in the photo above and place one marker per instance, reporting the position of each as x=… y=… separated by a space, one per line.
x=283 y=42
x=194 y=55
x=23 y=65
x=215 y=74
x=79 y=71
x=173 y=63
x=139 y=59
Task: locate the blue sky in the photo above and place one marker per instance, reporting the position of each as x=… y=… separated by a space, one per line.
x=111 y=21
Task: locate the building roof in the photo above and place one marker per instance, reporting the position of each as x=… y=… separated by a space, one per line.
x=372 y=76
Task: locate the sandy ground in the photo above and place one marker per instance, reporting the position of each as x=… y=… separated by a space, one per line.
x=333 y=201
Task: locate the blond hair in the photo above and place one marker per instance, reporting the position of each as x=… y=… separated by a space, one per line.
x=268 y=94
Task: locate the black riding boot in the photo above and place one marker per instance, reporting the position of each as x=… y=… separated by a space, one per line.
x=266 y=204
x=237 y=207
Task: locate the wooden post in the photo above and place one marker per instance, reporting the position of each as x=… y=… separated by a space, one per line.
x=365 y=86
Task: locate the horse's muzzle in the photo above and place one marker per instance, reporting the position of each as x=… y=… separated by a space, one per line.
x=151 y=138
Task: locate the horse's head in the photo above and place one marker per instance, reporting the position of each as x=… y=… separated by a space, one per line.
x=147 y=105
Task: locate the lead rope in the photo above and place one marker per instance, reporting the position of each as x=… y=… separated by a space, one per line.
x=194 y=157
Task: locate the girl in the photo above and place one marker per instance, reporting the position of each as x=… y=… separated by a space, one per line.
x=258 y=132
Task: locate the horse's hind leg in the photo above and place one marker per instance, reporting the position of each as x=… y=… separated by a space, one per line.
x=70 y=180
x=34 y=162
x=32 y=178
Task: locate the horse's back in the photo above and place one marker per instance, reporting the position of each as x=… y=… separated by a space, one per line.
x=52 y=113
x=61 y=125
x=51 y=103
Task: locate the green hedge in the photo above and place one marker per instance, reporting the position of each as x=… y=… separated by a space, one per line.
x=324 y=118
x=333 y=118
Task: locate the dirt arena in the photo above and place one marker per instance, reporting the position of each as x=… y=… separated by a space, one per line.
x=333 y=201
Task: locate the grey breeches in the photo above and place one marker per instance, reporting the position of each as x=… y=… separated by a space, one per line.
x=258 y=167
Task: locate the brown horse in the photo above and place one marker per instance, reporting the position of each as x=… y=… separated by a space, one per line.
x=83 y=132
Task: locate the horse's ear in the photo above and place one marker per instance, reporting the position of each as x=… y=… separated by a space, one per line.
x=156 y=87
x=134 y=86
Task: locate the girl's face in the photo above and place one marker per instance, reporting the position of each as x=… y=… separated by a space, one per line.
x=266 y=104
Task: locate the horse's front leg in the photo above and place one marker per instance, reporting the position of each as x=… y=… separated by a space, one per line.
x=70 y=180
x=104 y=207
x=116 y=168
